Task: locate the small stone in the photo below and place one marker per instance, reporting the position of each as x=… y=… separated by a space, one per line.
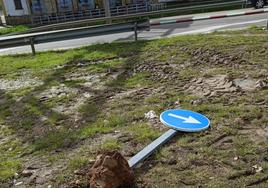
x=199 y=81
x=77 y=172
x=43 y=118
x=49 y=186
x=257 y=168
x=26 y=173
x=150 y=115
x=196 y=102
x=16 y=175
x=178 y=104
x=87 y=95
x=236 y=158
x=19 y=183
x=77 y=182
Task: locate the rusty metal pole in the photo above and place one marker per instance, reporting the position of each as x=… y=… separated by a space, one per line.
x=136 y=31
x=32 y=45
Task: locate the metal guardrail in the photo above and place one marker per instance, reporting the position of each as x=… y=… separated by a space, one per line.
x=130 y=16
x=37 y=38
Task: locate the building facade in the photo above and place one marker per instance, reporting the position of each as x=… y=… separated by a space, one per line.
x=15 y=7
x=40 y=12
x=41 y=7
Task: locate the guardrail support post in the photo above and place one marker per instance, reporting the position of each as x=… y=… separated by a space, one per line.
x=107 y=10
x=136 y=31
x=32 y=45
x=267 y=24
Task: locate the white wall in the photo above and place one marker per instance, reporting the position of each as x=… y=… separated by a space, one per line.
x=11 y=11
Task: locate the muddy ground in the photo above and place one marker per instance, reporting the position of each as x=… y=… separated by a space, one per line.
x=56 y=117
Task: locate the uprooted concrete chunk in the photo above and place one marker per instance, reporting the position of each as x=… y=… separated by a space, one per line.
x=111 y=170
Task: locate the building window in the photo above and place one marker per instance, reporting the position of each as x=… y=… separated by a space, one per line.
x=64 y=3
x=18 y=5
x=36 y=6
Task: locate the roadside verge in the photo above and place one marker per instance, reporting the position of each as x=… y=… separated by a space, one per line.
x=196 y=17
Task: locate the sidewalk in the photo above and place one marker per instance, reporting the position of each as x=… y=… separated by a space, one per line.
x=204 y=16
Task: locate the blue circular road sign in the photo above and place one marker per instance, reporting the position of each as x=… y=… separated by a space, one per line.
x=184 y=120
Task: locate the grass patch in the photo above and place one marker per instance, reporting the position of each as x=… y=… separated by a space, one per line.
x=105 y=67
x=91 y=130
x=110 y=144
x=77 y=162
x=9 y=30
x=9 y=161
x=138 y=80
x=144 y=133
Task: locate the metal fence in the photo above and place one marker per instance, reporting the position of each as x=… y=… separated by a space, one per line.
x=96 y=13
x=52 y=36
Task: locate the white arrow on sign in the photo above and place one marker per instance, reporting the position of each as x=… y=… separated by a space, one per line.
x=190 y=119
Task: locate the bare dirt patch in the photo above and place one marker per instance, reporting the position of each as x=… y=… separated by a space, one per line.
x=210 y=87
x=203 y=56
x=19 y=83
x=57 y=91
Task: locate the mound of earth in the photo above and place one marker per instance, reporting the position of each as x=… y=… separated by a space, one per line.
x=111 y=170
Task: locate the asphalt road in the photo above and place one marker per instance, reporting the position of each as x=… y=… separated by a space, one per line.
x=203 y=26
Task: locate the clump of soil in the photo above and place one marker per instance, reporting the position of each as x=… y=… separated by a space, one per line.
x=158 y=71
x=205 y=56
x=111 y=170
x=212 y=86
x=262 y=84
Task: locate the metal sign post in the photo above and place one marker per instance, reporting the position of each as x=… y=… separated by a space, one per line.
x=178 y=120
x=148 y=150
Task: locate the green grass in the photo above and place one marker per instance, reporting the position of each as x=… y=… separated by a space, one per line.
x=91 y=130
x=110 y=144
x=77 y=162
x=105 y=66
x=17 y=64
x=117 y=109
x=9 y=30
x=144 y=133
x=64 y=138
x=138 y=80
x=9 y=160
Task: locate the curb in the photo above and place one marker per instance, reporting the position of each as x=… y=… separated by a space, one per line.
x=195 y=18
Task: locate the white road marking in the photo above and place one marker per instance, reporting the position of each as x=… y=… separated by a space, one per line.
x=213 y=28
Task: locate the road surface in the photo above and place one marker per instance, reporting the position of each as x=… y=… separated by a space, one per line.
x=167 y=30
